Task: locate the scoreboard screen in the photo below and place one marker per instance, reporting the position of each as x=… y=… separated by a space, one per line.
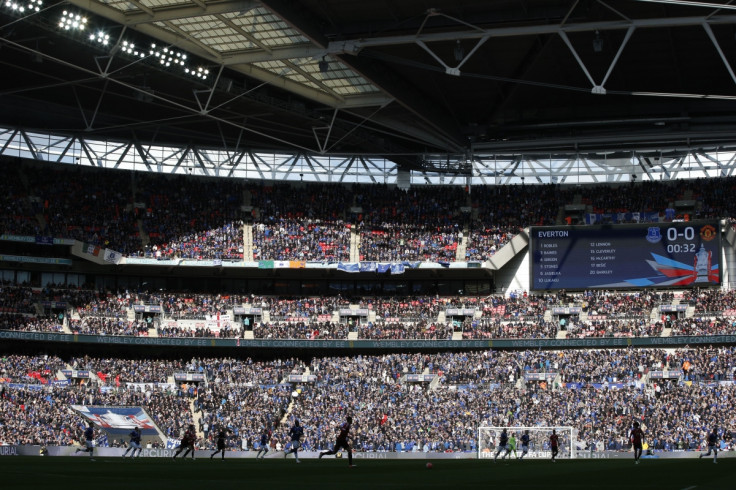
x=683 y=254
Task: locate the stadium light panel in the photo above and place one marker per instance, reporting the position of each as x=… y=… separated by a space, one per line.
x=100 y=38
x=166 y=56
x=27 y=7
x=200 y=73
x=72 y=21
x=129 y=48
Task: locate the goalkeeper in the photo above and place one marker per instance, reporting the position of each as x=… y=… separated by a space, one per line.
x=512 y=446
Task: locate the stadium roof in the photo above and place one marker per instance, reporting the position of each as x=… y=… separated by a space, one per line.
x=412 y=81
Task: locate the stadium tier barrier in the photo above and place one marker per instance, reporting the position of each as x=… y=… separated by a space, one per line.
x=112 y=452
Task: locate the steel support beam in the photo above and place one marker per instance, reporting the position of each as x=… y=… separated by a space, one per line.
x=438 y=168
x=354 y=46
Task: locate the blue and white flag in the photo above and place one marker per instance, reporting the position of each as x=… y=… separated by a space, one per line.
x=348 y=266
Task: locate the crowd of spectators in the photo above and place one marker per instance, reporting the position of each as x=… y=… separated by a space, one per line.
x=494 y=328
x=422 y=330
x=398 y=242
x=710 y=302
x=614 y=328
x=185 y=306
x=409 y=308
x=600 y=366
x=243 y=411
x=192 y=218
x=119 y=371
x=18 y=209
x=419 y=224
x=518 y=315
x=226 y=331
x=301 y=308
x=244 y=397
x=30 y=418
x=231 y=371
x=301 y=240
x=143 y=214
x=104 y=305
x=703 y=326
x=413 y=418
x=91 y=206
x=483 y=243
x=29 y=323
x=485 y=368
x=518 y=306
x=224 y=242
x=29 y=370
x=300 y=330
x=314 y=226
x=598 y=392
x=92 y=325
x=616 y=304
x=17 y=299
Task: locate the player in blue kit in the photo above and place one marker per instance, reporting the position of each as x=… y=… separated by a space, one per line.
x=524 y=444
x=503 y=445
x=712 y=446
x=265 y=441
x=295 y=433
x=135 y=442
x=221 y=443
x=89 y=441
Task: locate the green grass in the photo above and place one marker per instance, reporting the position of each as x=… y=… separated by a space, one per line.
x=60 y=473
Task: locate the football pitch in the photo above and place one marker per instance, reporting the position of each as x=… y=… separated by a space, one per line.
x=75 y=473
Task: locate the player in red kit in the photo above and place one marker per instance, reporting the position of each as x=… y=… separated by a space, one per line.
x=342 y=441
x=636 y=436
x=187 y=442
x=554 y=444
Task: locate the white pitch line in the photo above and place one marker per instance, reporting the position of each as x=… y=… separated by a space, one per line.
x=690 y=488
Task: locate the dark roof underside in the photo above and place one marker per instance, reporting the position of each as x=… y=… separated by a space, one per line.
x=520 y=87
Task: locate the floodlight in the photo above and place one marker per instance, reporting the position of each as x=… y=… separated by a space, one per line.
x=23 y=6
x=70 y=20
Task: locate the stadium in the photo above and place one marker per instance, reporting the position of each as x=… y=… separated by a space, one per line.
x=401 y=246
